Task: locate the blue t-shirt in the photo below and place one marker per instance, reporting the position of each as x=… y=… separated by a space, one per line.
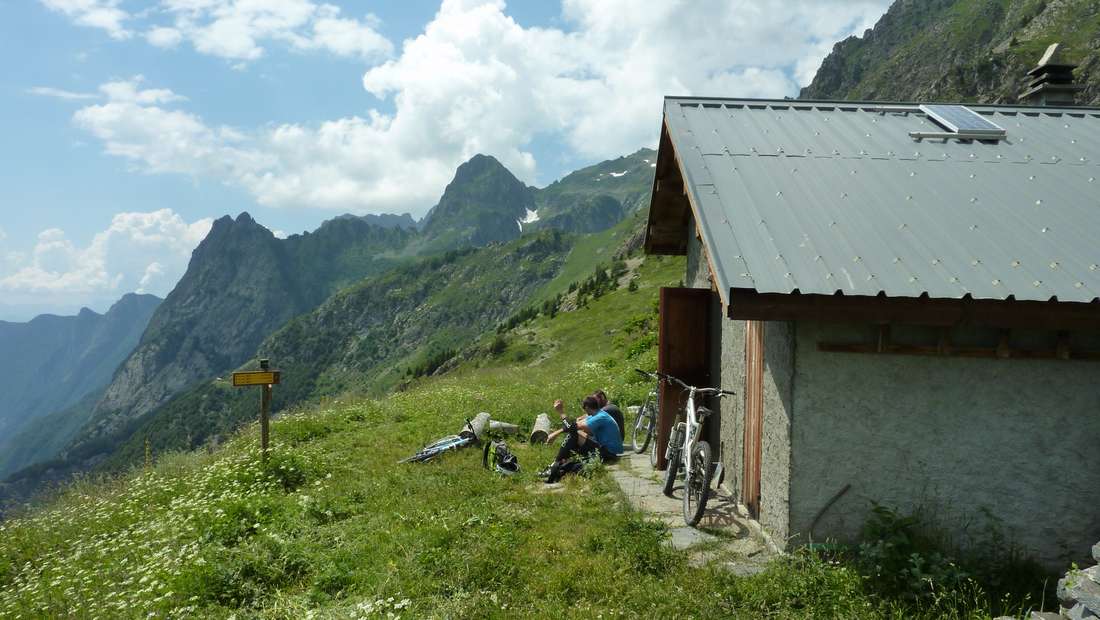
x=606 y=431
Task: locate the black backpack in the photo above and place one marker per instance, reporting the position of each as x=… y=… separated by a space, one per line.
x=498 y=457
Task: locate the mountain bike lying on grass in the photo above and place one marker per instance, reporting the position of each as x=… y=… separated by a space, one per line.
x=645 y=422
x=451 y=442
x=686 y=449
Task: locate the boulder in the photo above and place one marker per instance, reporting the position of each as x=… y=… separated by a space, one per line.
x=1078 y=589
x=1080 y=612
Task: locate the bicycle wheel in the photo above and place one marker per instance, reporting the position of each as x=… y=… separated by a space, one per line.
x=643 y=427
x=653 y=454
x=697 y=488
x=673 y=468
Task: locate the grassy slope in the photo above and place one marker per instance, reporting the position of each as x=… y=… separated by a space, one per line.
x=587 y=252
x=333 y=528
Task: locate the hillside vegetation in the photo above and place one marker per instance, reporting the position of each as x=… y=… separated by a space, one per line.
x=243 y=284
x=333 y=527
x=961 y=50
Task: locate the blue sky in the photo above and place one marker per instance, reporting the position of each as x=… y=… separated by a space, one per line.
x=129 y=126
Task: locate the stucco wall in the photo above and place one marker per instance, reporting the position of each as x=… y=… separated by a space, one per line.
x=957 y=437
x=775 y=448
x=726 y=430
x=731 y=435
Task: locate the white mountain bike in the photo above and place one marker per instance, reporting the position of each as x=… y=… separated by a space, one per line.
x=693 y=454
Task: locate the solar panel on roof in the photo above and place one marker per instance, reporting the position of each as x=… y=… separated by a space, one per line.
x=961 y=119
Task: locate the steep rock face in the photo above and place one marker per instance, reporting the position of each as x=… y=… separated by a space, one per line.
x=241 y=285
x=389 y=220
x=365 y=336
x=961 y=50
x=597 y=197
x=482 y=205
x=235 y=289
x=52 y=362
x=586 y=214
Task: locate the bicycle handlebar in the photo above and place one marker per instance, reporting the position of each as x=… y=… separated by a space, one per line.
x=698 y=390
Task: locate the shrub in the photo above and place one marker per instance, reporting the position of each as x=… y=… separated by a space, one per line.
x=907 y=557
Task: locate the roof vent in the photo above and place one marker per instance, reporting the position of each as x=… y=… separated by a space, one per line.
x=961 y=123
x=1051 y=80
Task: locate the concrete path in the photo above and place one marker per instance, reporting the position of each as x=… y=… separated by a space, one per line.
x=725 y=534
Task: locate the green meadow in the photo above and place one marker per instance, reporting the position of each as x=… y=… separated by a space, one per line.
x=333 y=527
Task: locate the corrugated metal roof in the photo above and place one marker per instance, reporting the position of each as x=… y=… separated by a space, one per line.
x=821 y=197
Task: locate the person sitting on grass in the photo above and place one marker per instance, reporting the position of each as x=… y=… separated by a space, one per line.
x=612 y=410
x=601 y=399
x=594 y=432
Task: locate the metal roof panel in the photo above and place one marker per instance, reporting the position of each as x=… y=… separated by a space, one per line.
x=822 y=197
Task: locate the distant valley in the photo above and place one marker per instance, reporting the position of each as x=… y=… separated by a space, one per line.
x=345 y=306
x=53 y=363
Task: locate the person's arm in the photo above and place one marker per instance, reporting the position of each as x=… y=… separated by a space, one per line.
x=582 y=424
x=559 y=407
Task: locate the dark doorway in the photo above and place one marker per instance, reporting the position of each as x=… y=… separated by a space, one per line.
x=683 y=351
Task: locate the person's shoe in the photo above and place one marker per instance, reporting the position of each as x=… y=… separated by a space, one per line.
x=545 y=472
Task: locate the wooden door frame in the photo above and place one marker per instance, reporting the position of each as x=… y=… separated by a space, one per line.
x=754 y=416
x=683 y=351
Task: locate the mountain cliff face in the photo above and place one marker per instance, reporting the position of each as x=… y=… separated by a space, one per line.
x=961 y=50
x=52 y=362
x=484 y=203
x=241 y=285
x=363 y=337
x=628 y=181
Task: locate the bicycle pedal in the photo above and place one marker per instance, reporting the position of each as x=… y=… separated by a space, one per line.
x=717 y=474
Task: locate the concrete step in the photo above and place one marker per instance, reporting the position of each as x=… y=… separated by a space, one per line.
x=724 y=535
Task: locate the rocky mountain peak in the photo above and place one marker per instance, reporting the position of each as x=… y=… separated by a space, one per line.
x=482 y=204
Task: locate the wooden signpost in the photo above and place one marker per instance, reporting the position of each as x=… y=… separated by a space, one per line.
x=265 y=378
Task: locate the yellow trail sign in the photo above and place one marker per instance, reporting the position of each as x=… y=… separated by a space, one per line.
x=255 y=377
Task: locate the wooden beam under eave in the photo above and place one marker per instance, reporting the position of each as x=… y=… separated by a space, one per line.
x=1070 y=316
x=669 y=210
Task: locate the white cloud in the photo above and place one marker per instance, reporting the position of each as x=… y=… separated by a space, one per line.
x=145 y=252
x=102 y=14
x=153 y=273
x=236 y=30
x=129 y=91
x=240 y=30
x=474 y=81
x=132 y=126
x=347 y=37
x=48 y=91
x=161 y=36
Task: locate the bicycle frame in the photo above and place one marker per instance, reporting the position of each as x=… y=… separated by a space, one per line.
x=692 y=427
x=691 y=435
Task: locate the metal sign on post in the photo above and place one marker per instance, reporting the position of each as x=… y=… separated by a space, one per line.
x=265 y=378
